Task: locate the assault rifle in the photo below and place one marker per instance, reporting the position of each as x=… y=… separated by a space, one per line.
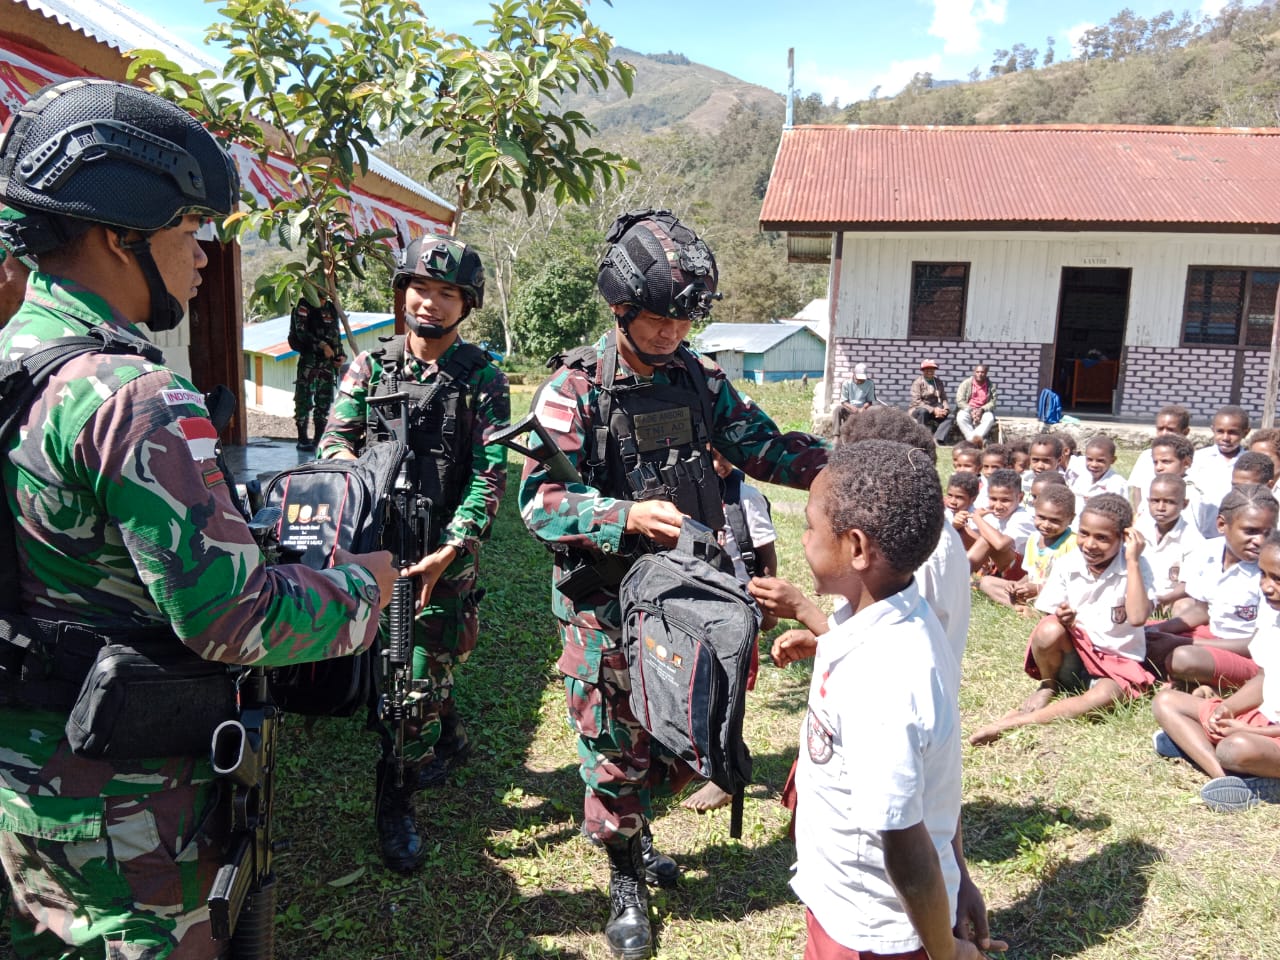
x=242 y=902
x=403 y=700
x=586 y=578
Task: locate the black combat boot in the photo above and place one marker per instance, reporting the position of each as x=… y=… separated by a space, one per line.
x=451 y=751
x=303 y=442
x=659 y=869
x=627 y=931
x=398 y=842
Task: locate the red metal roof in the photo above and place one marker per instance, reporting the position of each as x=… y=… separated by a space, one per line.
x=1033 y=177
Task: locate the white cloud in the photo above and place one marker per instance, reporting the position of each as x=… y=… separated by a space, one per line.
x=1211 y=8
x=853 y=85
x=1073 y=35
x=958 y=23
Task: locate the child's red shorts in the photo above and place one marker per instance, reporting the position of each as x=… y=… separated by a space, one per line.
x=1254 y=718
x=1229 y=669
x=1134 y=679
x=820 y=946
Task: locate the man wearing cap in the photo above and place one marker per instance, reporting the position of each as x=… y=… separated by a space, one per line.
x=929 y=401
x=856 y=394
x=637 y=414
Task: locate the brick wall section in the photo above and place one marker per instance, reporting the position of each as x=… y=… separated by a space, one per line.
x=1199 y=378
x=893 y=364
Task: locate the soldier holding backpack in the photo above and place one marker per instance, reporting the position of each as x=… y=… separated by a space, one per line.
x=457 y=400
x=637 y=415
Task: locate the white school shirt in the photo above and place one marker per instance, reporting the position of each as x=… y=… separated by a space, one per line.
x=1019 y=525
x=755 y=510
x=1234 y=596
x=1085 y=487
x=944 y=583
x=1265 y=650
x=1170 y=556
x=1211 y=472
x=1201 y=512
x=1143 y=472
x=1099 y=601
x=879 y=750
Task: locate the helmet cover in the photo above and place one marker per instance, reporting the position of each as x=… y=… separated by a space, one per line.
x=656 y=263
x=446 y=259
x=94 y=151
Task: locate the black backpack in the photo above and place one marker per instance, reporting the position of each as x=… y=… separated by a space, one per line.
x=326 y=504
x=688 y=626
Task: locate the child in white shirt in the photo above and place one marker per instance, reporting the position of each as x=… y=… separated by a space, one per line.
x=1171 y=540
x=1242 y=732
x=1002 y=527
x=1096 y=600
x=1211 y=470
x=1098 y=477
x=878 y=779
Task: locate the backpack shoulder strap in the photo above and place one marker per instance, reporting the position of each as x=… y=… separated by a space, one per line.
x=698 y=374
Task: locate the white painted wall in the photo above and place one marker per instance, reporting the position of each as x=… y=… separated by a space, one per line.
x=1014 y=278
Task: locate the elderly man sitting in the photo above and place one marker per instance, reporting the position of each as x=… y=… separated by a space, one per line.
x=856 y=394
x=976 y=405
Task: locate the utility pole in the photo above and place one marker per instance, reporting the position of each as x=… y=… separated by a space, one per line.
x=1273 y=370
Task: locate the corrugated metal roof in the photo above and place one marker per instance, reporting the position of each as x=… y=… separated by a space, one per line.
x=745 y=337
x=271 y=337
x=124 y=29
x=1154 y=178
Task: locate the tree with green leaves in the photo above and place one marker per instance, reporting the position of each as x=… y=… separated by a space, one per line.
x=321 y=94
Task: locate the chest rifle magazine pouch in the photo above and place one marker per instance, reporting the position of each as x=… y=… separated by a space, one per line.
x=153 y=699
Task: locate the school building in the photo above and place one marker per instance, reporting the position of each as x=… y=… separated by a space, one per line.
x=1126 y=267
x=46 y=41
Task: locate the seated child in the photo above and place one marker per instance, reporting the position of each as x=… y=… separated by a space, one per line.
x=1172 y=454
x=1267 y=441
x=1096 y=599
x=1207 y=641
x=1046 y=452
x=1236 y=741
x=964 y=456
x=1053 y=511
x=1071 y=463
x=1020 y=460
x=746 y=517
x=1252 y=467
x=962 y=490
x=1169 y=419
x=993 y=457
x=1039 y=482
x=1171 y=541
x=1099 y=477
x=1212 y=467
x=878 y=778
x=1003 y=528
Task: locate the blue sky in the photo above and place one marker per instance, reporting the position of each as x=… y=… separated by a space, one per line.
x=844 y=48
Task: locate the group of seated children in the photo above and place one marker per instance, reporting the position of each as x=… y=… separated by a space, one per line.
x=1100 y=586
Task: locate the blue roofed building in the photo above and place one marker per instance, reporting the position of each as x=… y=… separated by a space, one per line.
x=764 y=351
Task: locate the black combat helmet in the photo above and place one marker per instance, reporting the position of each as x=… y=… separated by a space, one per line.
x=84 y=152
x=448 y=260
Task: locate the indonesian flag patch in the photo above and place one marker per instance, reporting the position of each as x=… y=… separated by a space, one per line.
x=201 y=438
x=555 y=413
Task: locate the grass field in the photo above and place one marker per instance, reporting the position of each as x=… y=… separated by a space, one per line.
x=1084 y=842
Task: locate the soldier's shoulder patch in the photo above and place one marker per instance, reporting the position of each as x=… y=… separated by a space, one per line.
x=555 y=412
x=178 y=397
x=213 y=476
x=201 y=437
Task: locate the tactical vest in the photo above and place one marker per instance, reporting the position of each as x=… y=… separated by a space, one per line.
x=441 y=415
x=650 y=441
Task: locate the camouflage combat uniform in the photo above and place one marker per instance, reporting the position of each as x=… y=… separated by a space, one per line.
x=619 y=764
x=445 y=631
x=309 y=329
x=125 y=519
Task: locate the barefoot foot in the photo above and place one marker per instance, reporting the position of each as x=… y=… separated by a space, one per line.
x=710 y=797
x=1038 y=700
x=988 y=734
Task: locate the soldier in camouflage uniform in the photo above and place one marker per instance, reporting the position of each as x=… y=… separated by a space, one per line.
x=658 y=277
x=458 y=400
x=126 y=523
x=313 y=332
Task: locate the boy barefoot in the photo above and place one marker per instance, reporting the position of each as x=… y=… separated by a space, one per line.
x=1236 y=741
x=878 y=779
x=1096 y=599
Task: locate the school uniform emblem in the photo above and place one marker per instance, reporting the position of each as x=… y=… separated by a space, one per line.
x=1248 y=614
x=819 y=738
x=1119 y=614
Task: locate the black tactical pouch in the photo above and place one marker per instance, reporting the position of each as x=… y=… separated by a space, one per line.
x=150 y=700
